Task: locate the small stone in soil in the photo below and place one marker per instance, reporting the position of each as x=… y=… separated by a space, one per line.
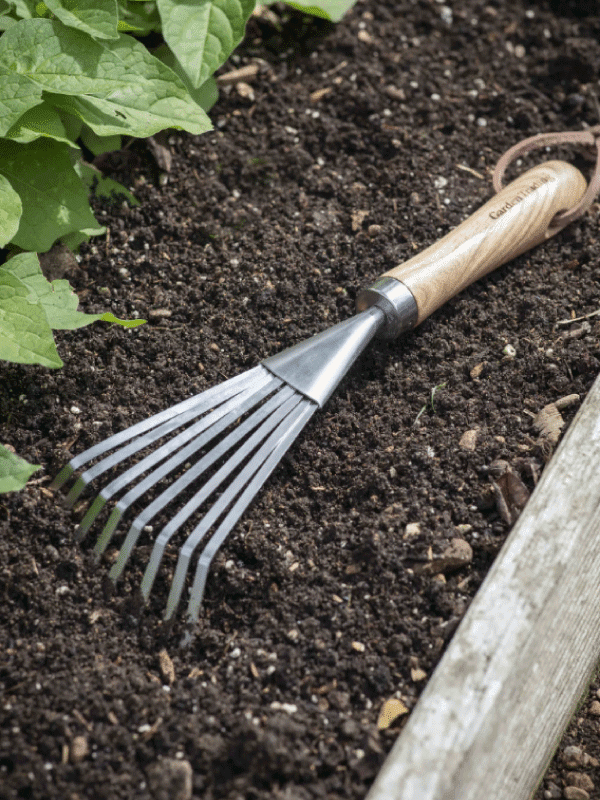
x=457 y=555
x=580 y=779
x=390 y=711
x=575 y=793
x=170 y=779
x=417 y=674
x=595 y=708
x=167 y=668
x=572 y=756
x=79 y=749
x=468 y=441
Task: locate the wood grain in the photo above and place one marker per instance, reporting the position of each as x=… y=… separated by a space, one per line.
x=514 y=220
x=495 y=708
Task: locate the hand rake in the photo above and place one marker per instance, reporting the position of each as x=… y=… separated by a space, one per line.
x=251 y=420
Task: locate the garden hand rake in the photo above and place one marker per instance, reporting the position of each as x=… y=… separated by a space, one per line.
x=252 y=419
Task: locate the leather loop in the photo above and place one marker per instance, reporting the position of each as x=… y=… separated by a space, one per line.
x=588 y=139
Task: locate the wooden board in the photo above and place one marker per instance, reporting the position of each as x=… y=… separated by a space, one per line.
x=494 y=710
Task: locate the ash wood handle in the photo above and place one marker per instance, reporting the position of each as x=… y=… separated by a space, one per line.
x=514 y=220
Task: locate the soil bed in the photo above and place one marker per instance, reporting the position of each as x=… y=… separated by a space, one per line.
x=357 y=145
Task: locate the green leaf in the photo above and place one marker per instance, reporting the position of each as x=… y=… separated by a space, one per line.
x=103 y=186
x=110 y=317
x=25 y=335
x=203 y=34
x=73 y=125
x=6 y=22
x=57 y=299
x=141 y=17
x=43 y=120
x=206 y=95
x=115 y=89
x=98 y=18
x=25 y=9
x=17 y=95
x=97 y=145
x=333 y=10
x=10 y=211
x=14 y=471
x=54 y=199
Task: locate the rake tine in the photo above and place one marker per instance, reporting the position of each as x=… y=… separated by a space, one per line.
x=203 y=431
x=252 y=476
x=162 y=423
x=275 y=410
x=176 y=488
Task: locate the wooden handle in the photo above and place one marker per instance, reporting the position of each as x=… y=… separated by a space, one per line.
x=514 y=220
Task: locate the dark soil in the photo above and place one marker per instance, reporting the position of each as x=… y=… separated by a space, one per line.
x=316 y=610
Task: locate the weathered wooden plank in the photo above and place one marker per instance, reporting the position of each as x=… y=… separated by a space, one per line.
x=494 y=709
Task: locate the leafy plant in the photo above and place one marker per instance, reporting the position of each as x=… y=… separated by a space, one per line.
x=14 y=471
x=76 y=76
x=30 y=309
x=72 y=75
x=434 y=391
x=333 y=10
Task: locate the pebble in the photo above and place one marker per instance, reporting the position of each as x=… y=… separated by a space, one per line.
x=446 y=14
x=51 y=553
x=553 y=792
x=580 y=779
x=171 y=779
x=468 y=441
x=477 y=370
x=509 y=352
x=395 y=93
x=457 y=555
x=572 y=756
x=440 y=182
x=289 y=708
x=390 y=711
x=167 y=668
x=75 y=410
x=245 y=90
x=412 y=529
x=575 y=793
x=79 y=749
x=359 y=647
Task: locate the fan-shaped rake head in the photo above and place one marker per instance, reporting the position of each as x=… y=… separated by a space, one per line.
x=250 y=422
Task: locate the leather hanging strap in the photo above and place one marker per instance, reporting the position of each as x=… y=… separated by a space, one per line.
x=589 y=140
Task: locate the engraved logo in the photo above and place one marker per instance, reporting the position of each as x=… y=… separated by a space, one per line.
x=518 y=198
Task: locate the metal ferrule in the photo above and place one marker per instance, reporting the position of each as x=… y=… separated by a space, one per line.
x=315 y=366
x=395 y=300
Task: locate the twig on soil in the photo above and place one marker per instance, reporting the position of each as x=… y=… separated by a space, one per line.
x=579 y=319
x=245 y=73
x=472 y=171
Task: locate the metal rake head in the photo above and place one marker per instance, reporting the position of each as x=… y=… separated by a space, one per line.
x=257 y=417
